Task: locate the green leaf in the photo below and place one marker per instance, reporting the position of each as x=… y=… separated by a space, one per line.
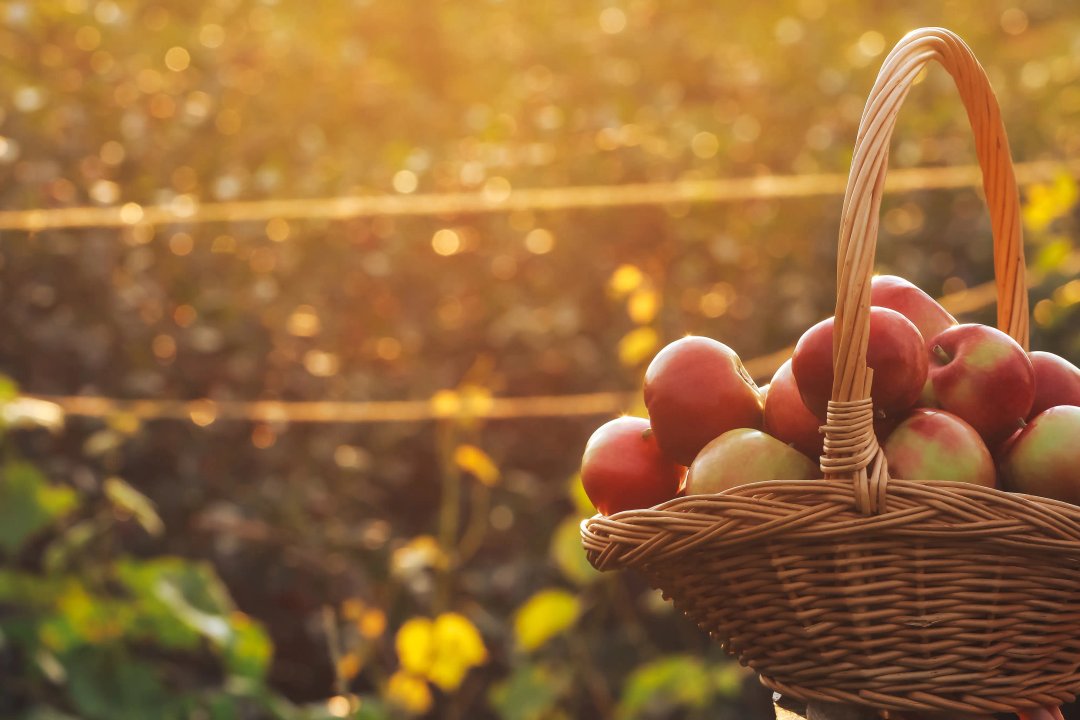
x=129 y=500
x=177 y=601
x=28 y=504
x=250 y=651
x=81 y=618
x=71 y=542
x=109 y=685
x=543 y=616
x=530 y=693
x=678 y=681
x=569 y=556
x=728 y=679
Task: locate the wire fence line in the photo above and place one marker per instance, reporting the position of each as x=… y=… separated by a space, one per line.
x=443 y=405
x=188 y=210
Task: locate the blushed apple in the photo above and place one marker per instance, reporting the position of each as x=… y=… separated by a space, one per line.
x=623 y=469
x=696 y=389
x=787 y=418
x=895 y=351
x=937 y=445
x=744 y=456
x=896 y=293
x=984 y=377
x=1057 y=381
x=1044 y=458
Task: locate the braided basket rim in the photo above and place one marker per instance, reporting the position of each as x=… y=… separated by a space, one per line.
x=1012 y=525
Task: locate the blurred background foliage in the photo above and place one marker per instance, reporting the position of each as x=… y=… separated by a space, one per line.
x=220 y=569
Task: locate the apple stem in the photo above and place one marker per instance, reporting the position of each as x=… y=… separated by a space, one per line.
x=646 y=433
x=940 y=354
x=1021 y=423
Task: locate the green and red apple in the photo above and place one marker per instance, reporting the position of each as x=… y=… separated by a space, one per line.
x=1044 y=458
x=746 y=455
x=937 y=445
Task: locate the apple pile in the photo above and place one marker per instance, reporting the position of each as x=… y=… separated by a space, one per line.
x=954 y=402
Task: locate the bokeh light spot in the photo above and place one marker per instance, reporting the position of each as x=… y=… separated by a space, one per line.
x=788 y=30
x=871 y=43
x=705 y=145
x=278 y=229
x=388 y=348
x=131 y=213
x=539 y=241
x=177 y=59
x=181 y=244
x=497 y=190
x=1014 y=21
x=212 y=35
x=321 y=364
x=184 y=315
x=163 y=347
x=446 y=242
x=304 y=322
x=203 y=412
x=612 y=20
x=405 y=181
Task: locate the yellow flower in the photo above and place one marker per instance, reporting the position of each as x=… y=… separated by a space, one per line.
x=409 y=693
x=442 y=650
x=543 y=616
x=415 y=647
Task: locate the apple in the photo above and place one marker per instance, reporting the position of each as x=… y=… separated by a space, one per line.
x=896 y=293
x=937 y=445
x=1057 y=381
x=896 y=353
x=742 y=456
x=695 y=390
x=983 y=376
x=1044 y=458
x=786 y=417
x=623 y=468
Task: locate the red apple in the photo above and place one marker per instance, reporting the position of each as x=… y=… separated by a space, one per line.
x=895 y=352
x=936 y=445
x=1057 y=382
x=744 y=456
x=1044 y=458
x=786 y=417
x=623 y=468
x=983 y=376
x=696 y=389
x=898 y=294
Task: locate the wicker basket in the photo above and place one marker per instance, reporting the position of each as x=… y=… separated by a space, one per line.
x=892 y=594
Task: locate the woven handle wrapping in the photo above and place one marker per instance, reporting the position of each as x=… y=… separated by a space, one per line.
x=851 y=449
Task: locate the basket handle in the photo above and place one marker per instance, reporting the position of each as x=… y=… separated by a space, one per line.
x=850 y=447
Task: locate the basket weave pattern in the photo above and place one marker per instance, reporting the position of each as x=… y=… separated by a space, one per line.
x=859 y=589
